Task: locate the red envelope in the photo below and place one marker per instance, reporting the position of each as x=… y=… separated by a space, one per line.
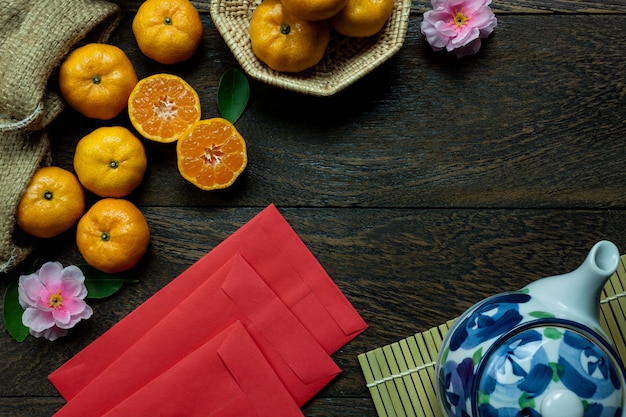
x=281 y=259
x=235 y=293
x=226 y=377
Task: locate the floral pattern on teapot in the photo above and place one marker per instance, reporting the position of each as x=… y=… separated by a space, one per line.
x=530 y=353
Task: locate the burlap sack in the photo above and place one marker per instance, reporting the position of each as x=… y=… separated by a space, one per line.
x=35 y=36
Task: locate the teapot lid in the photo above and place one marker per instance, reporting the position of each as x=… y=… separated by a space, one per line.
x=549 y=368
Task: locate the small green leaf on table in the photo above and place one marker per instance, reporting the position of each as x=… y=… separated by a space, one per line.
x=101 y=284
x=12 y=313
x=233 y=93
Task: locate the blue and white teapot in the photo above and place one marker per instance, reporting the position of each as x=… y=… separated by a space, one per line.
x=537 y=352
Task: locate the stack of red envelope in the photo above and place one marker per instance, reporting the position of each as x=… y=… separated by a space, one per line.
x=248 y=330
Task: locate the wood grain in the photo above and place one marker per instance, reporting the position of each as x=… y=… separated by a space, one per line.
x=506 y=128
x=424 y=187
x=520 y=6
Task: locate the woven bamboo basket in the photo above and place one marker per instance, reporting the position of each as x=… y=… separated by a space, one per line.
x=346 y=59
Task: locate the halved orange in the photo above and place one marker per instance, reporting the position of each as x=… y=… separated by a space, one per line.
x=162 y=107
x=211 y=154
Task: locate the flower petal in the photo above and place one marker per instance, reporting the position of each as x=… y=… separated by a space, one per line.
x=28 y=289
x=464 y=37
x=70 y=288
x=61 y=317
x=439 y=4
x=482 y=18
x=37 y=320
x=74 y=273
x=469 y=49
x=86 y=313
x=50 y=274
x=446 y=28
x=474 y=20
x=51 y=334
x=74 y=305
x=470 y=7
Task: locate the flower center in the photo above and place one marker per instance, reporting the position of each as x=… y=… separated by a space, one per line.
x=460 y=19
x=56 y=300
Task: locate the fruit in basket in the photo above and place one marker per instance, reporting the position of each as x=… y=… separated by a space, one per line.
x=167 y=31
x=212 y=154
x=314 y=10
x=110 y=161
x=96 y=80
x=162 y=107
x=52 y=202
x=362 y=18
x=284 y=42
x=113 y=235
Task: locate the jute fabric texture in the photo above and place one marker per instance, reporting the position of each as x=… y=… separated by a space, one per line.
x=35 y=37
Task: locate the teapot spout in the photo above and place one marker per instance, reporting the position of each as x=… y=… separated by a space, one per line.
x=576 y=295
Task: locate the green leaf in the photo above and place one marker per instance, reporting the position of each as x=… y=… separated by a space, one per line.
x=102 y=288
x=101 y=284
x=483 y=398
x=233 y=93
x=541 y=314
x=477 y=356
x=526 y=401
x=552 y=333
x=557 y=371
x=12 y=312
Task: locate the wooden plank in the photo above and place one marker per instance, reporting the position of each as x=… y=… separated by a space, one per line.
x=429 y=178
x=519 y=6
x=354 y=149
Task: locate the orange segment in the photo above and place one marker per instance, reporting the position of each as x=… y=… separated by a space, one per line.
x=212 y=154
x=162 y=107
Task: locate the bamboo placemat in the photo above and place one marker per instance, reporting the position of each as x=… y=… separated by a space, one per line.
x=401 y=376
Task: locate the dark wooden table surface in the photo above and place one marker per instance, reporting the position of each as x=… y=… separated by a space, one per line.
x=429 y=184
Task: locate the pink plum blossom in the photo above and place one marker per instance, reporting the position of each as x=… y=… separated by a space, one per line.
x=53 y=300
x=458 y=25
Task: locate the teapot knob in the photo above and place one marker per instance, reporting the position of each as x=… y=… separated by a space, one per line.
x=562 y=403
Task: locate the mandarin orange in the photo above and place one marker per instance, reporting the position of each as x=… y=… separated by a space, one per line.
x=284 y=42
x=110 y=161
x=168 y=31
x=162 y=107
x=113 y=235
x=212 y=154
x=314 y=10
x=362 y=18
x=52 y=202
x=96 y=80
